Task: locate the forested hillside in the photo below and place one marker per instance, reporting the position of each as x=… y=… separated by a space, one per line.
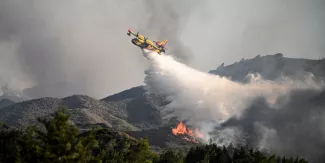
x=59 y=141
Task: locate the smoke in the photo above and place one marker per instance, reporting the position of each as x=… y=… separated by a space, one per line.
x=201 y=97
x=59 y=48
x=80 y=47
x=192 y=91
x=295 y=128
x=227 y=31
x=167 y=21
x=65 y=48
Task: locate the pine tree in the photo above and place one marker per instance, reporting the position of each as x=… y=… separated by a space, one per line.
x=170 y=156
x=58 y=143
x=141 y=152
x=9 y=143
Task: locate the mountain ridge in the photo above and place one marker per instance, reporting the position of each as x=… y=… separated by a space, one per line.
x=271 y=67
x=5 y=102
x=141 y=109
x=138 y=112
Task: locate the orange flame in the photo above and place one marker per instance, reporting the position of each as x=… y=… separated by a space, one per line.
x=188 y=133
x=180 y=129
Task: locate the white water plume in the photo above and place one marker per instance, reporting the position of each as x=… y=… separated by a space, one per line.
x=199 y=96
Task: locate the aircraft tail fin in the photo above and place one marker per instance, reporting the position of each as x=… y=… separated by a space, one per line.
x=164 y=42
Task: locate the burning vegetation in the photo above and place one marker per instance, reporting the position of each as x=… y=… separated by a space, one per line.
x=187 y=133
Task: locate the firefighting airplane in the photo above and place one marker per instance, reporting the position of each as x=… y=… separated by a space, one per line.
x=143 y=42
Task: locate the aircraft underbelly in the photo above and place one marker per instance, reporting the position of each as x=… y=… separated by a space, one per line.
x=138 y=43
x=144 y=45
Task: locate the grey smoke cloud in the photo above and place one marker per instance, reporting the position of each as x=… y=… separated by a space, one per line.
x=296 y=128
x=167 y=21
x=82 y=46
x=77 y=47
x=63 y=42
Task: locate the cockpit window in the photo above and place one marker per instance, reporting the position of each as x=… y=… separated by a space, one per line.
x=140 y=37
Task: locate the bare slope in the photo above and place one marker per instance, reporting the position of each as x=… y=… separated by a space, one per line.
x=83 y=110
x=142 y=108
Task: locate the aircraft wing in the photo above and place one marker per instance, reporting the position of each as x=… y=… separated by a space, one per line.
x=155 y=46
x=153 y=43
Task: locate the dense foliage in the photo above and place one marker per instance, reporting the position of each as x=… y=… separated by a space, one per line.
x=60 y=141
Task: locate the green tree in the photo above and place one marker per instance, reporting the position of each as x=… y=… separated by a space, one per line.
x=141 y=152
x=115 y=147
x=9 y=138
x=58 y=143
x=170 y=156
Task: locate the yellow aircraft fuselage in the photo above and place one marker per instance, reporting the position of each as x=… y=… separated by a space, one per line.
x=141 y=42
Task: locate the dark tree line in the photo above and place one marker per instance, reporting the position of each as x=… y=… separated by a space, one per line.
x=60 y=142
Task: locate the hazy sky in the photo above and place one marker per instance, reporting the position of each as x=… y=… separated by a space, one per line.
x=83 y=46
x=226 y=31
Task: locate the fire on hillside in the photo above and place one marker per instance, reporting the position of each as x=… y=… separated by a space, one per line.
x=188 y=134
